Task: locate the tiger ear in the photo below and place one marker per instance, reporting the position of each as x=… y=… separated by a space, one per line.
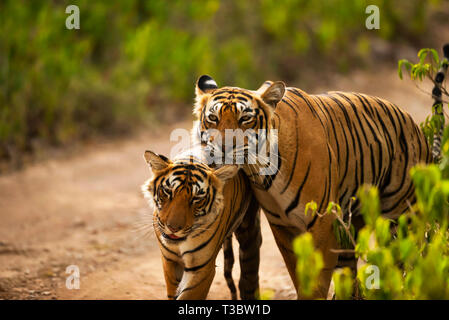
x=272 y=93
x=226 y=172
x=157 y=162
x=205 y=84
x=264 y=87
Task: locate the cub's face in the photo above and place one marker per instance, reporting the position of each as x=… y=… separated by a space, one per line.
x=187 y=195
x=236 y=111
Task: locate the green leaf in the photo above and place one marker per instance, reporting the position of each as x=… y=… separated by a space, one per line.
x=309 y=264
x=401 y=64
x=343 y=283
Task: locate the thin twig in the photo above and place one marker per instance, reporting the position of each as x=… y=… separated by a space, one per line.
x=342 y=250
x=351 y=201
x=345 y=227
x=427 y=93
x=411 y=207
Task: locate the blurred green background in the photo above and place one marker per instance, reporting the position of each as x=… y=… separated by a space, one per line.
x=133 y=61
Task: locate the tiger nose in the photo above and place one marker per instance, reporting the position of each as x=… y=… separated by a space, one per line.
x=173 y=228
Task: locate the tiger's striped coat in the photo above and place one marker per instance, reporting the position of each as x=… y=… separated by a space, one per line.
x=195 y=209
x=328 y=146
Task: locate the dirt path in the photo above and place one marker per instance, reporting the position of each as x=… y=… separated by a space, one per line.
x=85 y=210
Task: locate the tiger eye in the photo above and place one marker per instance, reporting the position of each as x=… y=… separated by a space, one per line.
x=213 y=118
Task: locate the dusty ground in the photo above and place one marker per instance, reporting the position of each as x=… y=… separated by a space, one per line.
x=85 y=211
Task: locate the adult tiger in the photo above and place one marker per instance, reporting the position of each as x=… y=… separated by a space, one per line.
x=328 y=146
x=196 y=209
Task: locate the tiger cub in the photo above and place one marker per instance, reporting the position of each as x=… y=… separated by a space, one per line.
x=196 y=209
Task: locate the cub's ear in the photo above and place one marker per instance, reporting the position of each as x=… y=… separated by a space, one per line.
x=205 y=84
x=157 y=162
x=226 y=172
x=272 y=93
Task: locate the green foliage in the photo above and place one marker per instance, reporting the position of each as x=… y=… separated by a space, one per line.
x=369 y=199
x=266 y=294
x=58 y=85
x=312 y=206
x=414 y=263
x=344 y=235
x=343 y=283
x=426 y=68
x=444 y=164
x=423 y=68
x=407 y=258
x=309 y=265
x=131 y=58
x=432 y=192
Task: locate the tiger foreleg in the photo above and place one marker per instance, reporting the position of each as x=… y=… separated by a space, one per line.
x=195 y=285
x=172 y=275
x=284 y=240
x=249 y=236
x=228 y=264
x=325 y=241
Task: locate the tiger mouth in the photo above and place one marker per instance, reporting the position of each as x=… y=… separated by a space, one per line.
x=172 y=237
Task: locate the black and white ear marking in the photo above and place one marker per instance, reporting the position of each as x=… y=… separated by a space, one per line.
x=206 y=84
x=156 y=161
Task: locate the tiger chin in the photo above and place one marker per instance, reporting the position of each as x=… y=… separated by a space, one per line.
x=196 y=210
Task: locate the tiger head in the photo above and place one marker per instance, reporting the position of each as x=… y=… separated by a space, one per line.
x=187 y=194
x=221 y=111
